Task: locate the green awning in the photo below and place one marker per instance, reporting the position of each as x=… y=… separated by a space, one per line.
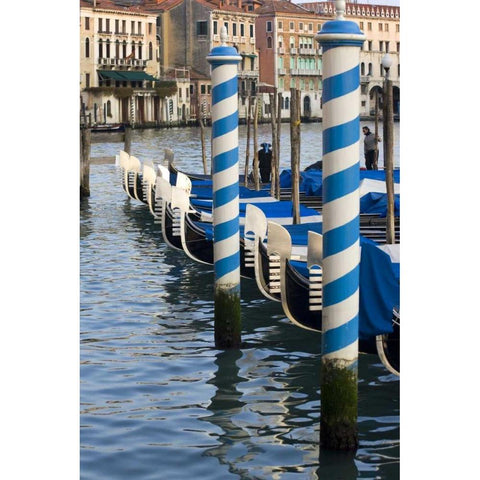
x=126 y=76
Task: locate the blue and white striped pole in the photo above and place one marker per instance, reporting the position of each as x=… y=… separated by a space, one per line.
x=341 y=41
x=226 y=235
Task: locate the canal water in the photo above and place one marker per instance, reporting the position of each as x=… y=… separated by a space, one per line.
x=158 y=400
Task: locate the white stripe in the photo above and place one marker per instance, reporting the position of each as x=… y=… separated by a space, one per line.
x=225 y=212
x=343 y=59
x=340 y=211
x=341 y=109
x=227 y=247
x=340 y=159
x=225 y=178
x=336 y=315
x=224 y=108
x=223 y=73
x=225 y=143
x=341 y=263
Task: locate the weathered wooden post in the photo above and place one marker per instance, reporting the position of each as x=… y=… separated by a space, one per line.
x=256 y=172
x=247 y=150
x=226 y=246
x=375 y=163
x=85 y=140
x=388 y=148
x=273 y=118
x=341 y=41
x=128 y=139
x=277 y=147
x=295 y=151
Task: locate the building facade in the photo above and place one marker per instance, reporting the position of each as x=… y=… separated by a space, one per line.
x=381 y=26
x=119 y=66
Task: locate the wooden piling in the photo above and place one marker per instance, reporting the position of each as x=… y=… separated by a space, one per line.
x=388 y=158
x=202 y=138
x=276 y=180
x=256 y=172
x=247 y=148
x=85 y=142
x=295 y=151
x=273 y=164
x=128 y=140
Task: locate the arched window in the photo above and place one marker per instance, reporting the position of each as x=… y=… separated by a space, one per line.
x=292 y=42
x=280 y=41
x=370 y=69
x=269 y=42
x=150 y=51
x=108 y=48
x=117 y=49
x=140 y=50
x=133 y=49
x=124 y=49
x=100 y=49
x=287 y=103
x=362 y=69
x=109 y=108
x=87 y=47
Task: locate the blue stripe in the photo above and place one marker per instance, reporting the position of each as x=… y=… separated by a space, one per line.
x=341 y=136
x=341 y=183
x=341 y=238
x=225 y=194
x=224 y=90
x=225 y=125
x=340 y=337
x=226 y=229
x=341 y=288
x=227 y=264
x=341 y=84
x=225 y=160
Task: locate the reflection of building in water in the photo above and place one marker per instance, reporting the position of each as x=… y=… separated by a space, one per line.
x=262 y=415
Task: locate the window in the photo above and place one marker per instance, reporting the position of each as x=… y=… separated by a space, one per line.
x=215 y=27
x=269 y=26
x=191 y=89
x=319 y=27
x=87 y=80
x=386 y=27
x=203 y=90
x=370 y=69
x=269 y=42
x=380 y=45
x=209 y=89
x=202 y=28
x=133 y=49
x=292 y=26
x=397 y=27
x=380 y=27
x=226 y=26
x=132 y=27
x=117 y=49
x=370 y=45
x=107 y=25
x=369 y=26
x=109 y=108
x=150 y=27
x=124 y=49
x=87 y=47
x=310 y=27
x=280 y=62
x=362 y=69
x=387 y=46
x=100 y=24
x=140 y=50
x=361 y=25
x=251 y=31
x=87 y=23
x=139 y=31
x=100 y=48
x=300 y=26
x=280 y=25
x=124 y=26
x=234 y=29
x=150 y=51
x=117 y=26
x=398 y=47
x=292 y=42
x=242 y=29
x=108 y=48
x=280 y=41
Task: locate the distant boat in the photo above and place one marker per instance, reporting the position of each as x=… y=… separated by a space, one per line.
x=108 y=127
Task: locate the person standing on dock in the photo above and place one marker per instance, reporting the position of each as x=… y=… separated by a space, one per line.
x=370 y=149
x=265 y=162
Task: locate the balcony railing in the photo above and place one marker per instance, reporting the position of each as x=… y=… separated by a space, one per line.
x=307 y=51
x=281 y=50
x=293 y=51
x=305 y=71
x=248 y=73
x=282 y=71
